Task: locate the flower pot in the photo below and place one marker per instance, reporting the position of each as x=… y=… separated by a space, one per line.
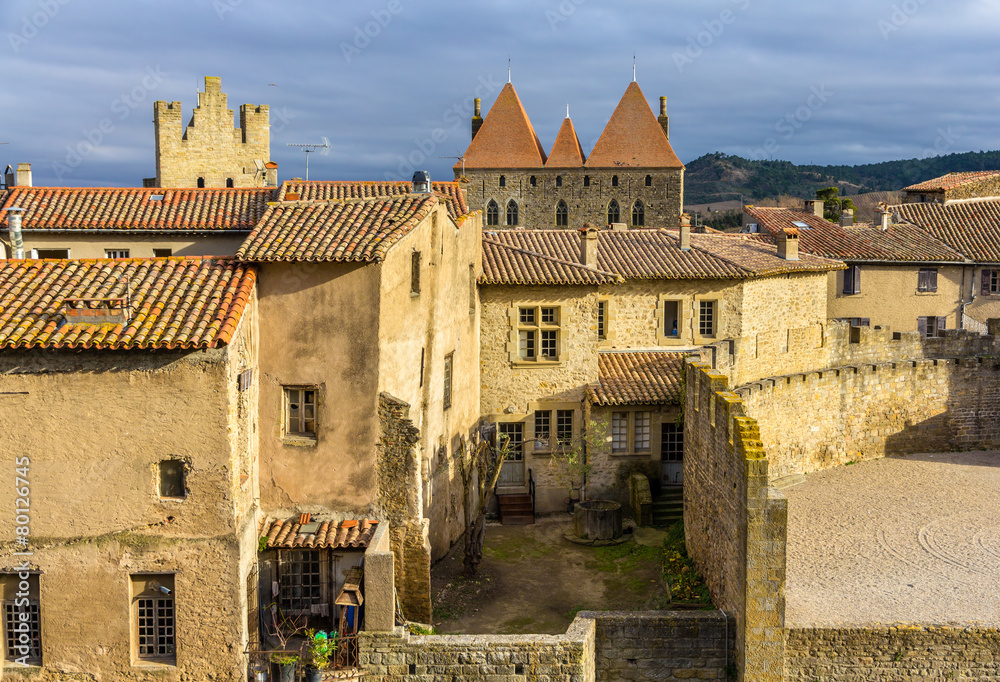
x=314 y=675
x=288 y=672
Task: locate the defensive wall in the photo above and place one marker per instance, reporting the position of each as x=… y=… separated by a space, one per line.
x=803 y=401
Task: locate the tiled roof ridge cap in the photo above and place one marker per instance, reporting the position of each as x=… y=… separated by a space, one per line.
x=13 y=261
x=152 y=190
x=743 y=270
x=617 y=277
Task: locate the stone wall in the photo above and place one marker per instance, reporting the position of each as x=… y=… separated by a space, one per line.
x=662 y=200
x=660 y=645
x=902 y=652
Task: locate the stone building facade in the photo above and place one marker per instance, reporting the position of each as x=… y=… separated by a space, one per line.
x=632 y=176
x=209 y=151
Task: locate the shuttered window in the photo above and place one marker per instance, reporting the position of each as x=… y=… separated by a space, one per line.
x=927 y=279
x=852 y=279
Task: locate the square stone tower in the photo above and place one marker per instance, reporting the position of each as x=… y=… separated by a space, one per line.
x=210 y=152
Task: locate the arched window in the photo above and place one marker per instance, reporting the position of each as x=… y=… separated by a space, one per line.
x=649 y=181
x=201 y=182
x=512 y=212
x=614 y=213
x=558 y=181
x=586 y=181
x=532 y=181
x=503 y=181
x=562 y=214
x=229 y=182
x=492 y=213
x=638 y=214
x=614 y=180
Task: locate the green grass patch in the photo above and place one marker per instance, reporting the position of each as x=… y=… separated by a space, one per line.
x=516 y=626
x=515 y=549
x=683 y=580
x=622 y=558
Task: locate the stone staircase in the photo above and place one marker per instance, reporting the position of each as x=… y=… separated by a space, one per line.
x=668 y=507
x=516 y=509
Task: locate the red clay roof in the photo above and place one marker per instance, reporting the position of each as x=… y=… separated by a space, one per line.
x=951 y=181
x=169 y=302
x=566 y=152
x=136 y=209
x=637 y=254
x=347 y=230
x=506 y=138
x=902 y=242
x=504 y=263
x=637 y=378
x=451 y=192
x=350 y=534
x=633 y=137
x=972 y=227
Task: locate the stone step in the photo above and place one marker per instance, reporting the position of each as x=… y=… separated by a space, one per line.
x=518 y=520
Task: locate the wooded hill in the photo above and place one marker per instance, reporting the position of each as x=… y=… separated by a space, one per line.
x=718 y=177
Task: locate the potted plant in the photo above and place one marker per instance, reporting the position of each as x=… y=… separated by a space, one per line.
x=284 y=628
x=321 y=647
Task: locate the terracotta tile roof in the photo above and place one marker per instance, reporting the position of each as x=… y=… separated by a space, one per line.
x=640 y=254
x=566 y=151
x=174 y=302
x=507 y=264
x=506 y=138
x=633 y=137
x=347 y=230
x=902 y=242
x=951 y=181
x=350 y=534
x=972 y=227
x=134 y=208
x=637 y=378
x=451 y=192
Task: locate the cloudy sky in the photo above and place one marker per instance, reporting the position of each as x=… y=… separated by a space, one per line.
x=390 y=82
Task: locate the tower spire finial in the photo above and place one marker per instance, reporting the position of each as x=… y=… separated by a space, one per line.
x=633 y=67
x=567 y=111
x=508 y=68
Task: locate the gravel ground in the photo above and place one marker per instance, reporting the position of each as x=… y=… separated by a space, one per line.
x=912 y=539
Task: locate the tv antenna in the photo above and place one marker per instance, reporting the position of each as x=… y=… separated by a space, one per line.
x=309 y=148
x=457 y=158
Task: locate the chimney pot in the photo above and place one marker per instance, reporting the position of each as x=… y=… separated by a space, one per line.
x=477 y=118
x=847 y=217
x=421 y=182
x=588 y=245
x=23 y=175
x=685 y=232
x=788 y=244
x=663 y=119
x=14 y=228
x=815 y=206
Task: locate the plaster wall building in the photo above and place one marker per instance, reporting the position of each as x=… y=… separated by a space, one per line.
x=632 y=175
x=143 y=507
x=209 y=151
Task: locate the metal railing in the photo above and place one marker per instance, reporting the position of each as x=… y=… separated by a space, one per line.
x=531 y=491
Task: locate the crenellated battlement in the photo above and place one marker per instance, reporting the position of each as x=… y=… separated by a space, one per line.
x=210 y=151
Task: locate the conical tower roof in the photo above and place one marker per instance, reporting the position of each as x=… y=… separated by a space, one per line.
x=566 y=152
x=506 y=139
x=633 y=137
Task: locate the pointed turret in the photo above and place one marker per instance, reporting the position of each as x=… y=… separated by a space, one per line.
x=506 y=138
x=566 y=152
x=633 y=137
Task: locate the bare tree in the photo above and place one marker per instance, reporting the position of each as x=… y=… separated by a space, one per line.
x=480 y=464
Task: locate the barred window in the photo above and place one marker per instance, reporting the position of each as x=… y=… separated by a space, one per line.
x=26 y=646
x=602 y=320
x=300 y=580
x=155 y=617
x=706 y=318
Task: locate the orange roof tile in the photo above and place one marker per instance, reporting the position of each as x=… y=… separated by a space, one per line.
x=312 y=190
x=350 y=534
x=347 y=230
x=637 y=378
x=506 y=138
x=951 y=181
x=504 y=263
x=972 y=227
x=633 y=137
x=153 y=303
x=138 y=209
x=566 y=152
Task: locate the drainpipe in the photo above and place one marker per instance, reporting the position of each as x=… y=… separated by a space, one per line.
x=14 y=227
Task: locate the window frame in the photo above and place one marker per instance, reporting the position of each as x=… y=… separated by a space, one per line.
x=492 y=213
x=448 y=371
x=990 y=282
x=562 y=214
x=932 y=327
x=115 y=254
x=851 y=280
x=183 y=479
x=683 y=305
x=625 y=432
x=617 y=212
x=927 y=280
x=415 y=273
x=538 y=333
x=638 y=213
x=292 y=557
x=149 y=593
x=299 y=436
x=50 y=254
x=512 y=211
x=713 y=306
x=11 y=611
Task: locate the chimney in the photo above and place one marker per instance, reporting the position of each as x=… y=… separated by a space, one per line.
x=847 y=217
x=663 y=119
x=421 y=182
x=588 y=245
x=14 y=227
x=23 y=175
x=477 y=119
x=814 y=206
x=788 y=244
x=685 y=232
x=882 y=216
x=8 y=177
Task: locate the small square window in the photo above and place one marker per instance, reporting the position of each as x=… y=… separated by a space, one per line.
x=116 y=253
x=53 y=253
x=162 y=253
x=300 y=411
x=927 y=280
x=172 y=479
x=527 y=316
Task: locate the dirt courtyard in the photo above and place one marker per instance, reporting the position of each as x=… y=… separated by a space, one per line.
x=911 y=539
x=533 y=580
